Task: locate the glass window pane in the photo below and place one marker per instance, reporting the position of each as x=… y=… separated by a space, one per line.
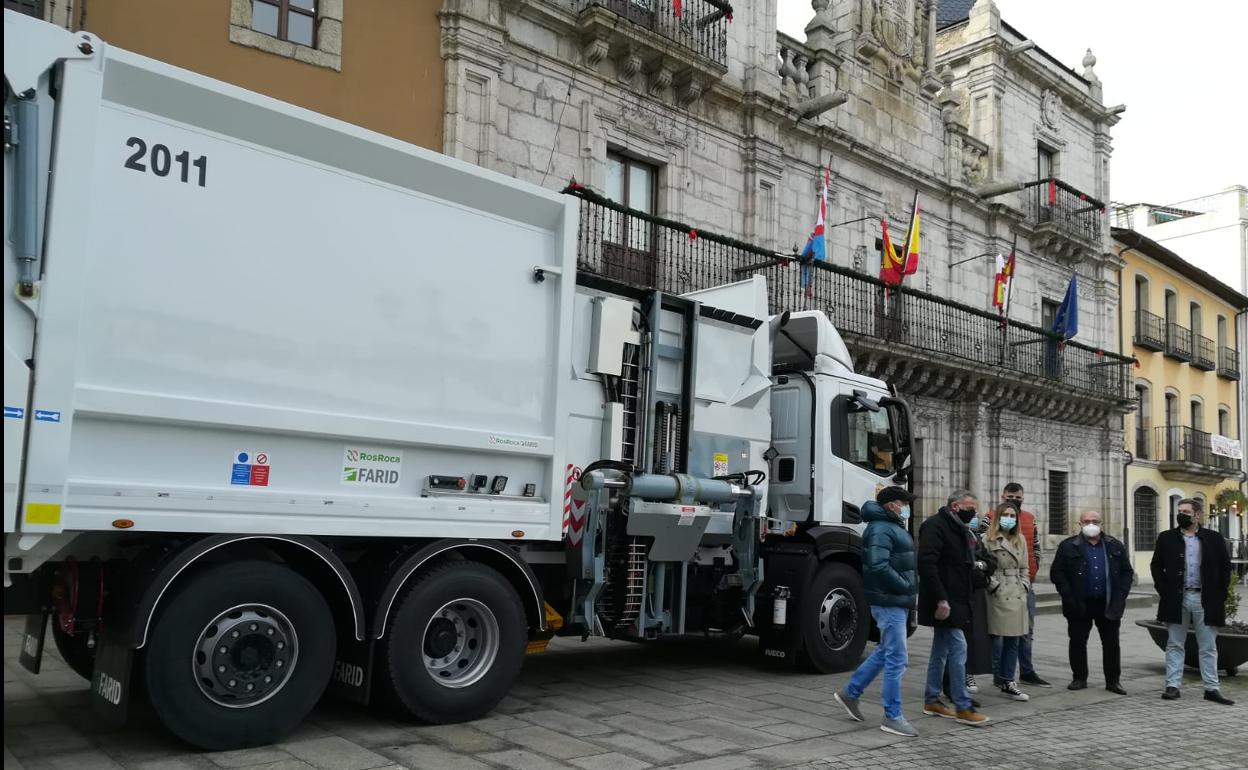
x=615 y=179
x=299 y=28
x=641 y=188
x=264 y=17
x=307 y=5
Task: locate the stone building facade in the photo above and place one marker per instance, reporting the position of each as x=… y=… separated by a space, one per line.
x=726 y=125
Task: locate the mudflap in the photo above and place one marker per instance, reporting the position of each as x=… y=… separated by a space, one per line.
x=353 y=670
x=776 y=644
x=112 y=682
x=33 y=637
x=791 y=565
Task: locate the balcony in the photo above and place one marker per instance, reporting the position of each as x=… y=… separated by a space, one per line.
x=1178 y=342
x=1150 y=331
x=1186 y=454
x=1228 y=363
x=1068 y=222
x=926 y=344
x=687 y=52
x=1205 y=355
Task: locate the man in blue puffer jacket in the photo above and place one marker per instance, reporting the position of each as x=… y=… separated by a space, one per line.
x=891 y=583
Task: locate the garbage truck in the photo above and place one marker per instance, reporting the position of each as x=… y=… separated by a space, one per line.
x=291 y=406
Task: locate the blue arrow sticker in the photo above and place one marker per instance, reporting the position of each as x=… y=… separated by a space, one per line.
x=14 y=413
x=46 y=416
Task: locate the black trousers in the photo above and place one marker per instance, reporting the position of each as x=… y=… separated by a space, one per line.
x=1081 y=628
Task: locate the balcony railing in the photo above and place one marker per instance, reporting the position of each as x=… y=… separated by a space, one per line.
x=1177 y=444
x=1150 y=331
x=1073 y=212
x=1205 y=353
x=653 y=253
x=1143 y=445
x=701 y=27
x=1228 y=363
x=1178 y=342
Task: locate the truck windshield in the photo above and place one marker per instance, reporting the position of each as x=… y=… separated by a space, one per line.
x=870 y=440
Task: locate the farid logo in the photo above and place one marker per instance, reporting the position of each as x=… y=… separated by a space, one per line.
x=371 y=467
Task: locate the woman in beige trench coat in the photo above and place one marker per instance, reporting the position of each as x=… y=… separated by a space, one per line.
x=1007 y=593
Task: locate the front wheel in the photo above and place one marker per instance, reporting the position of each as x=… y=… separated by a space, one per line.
x=239 y=655
x=835 y=620
x=455 y=645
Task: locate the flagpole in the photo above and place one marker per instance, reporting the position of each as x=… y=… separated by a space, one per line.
x=1009 y=296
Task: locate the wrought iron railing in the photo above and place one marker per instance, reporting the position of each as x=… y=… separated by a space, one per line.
x=1178 y=342
x=1228 y=363
x=701 y=26
x=643 y=251
x=1204 y=353
x=1074 y=212
x=1176 y=444
x=1150 y=330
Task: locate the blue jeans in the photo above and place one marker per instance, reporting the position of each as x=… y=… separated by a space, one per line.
x=889 y=656
x=1009 y=646
x=948 y=649
x=1176 y=645
x=1025 y=664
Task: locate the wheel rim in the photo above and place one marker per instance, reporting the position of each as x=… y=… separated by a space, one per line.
x=460 y=643
x=838 y=619
x=245 y=656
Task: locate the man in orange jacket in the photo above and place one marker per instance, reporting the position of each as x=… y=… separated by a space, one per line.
x=1013 y=494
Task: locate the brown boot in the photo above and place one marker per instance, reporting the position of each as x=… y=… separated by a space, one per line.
x=938 y=709
x=972 y=717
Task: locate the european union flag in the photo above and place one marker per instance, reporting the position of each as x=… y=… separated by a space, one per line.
x=1066 y=322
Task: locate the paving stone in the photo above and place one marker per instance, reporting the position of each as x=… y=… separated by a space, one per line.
x=78 y=760
x=334 y=753
x=549 y=742
x=708 y=746
x=639 y=747
x=568 y=724
x=422 y=756
x=737 y=762
x=654 y=730
x=743 y=736
x=610 y=761
x=248 y=757
x=516 y=759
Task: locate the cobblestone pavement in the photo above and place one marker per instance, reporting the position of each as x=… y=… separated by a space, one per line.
x=618 y=706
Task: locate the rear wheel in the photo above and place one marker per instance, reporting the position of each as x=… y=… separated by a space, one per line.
x=835 y=620
x=239 y=655
x=455 y=645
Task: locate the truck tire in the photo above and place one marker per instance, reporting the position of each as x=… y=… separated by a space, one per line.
x=75 y=651
x=239 y=654
x=835 y=620
x=456 y=643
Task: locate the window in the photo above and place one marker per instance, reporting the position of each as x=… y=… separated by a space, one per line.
x=628 y=254
x=28 y=7
x=1222 y=331
x=1046 y=162
x=870 y=440
x=1141 y=293
x=1198 y=415
x=1143 y=417
x=1172 y=410
x=1172 y=307
x=1144 y=501
x=1048 y=317
x=293 y=20
x=1059 y=504
x=1195 y=318
x=1224 y=421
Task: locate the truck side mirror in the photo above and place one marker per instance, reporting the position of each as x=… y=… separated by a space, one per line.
x=861 y=399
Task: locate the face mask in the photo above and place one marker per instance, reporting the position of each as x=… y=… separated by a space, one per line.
x=1014 y=500
x=1008 y=522
x=1091 y=531
x=904 y=513
x=1185 y=520
x=967 y=515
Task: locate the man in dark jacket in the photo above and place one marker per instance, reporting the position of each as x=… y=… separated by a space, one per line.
x=891 y=584
x=1093 y=575
x=946 y=569
x=1192 y=574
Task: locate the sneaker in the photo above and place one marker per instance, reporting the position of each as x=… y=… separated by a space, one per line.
x=849 y=704
x=899 y=726
x=973 y=718
x=1217 y=697
x=971 y=685
x=1034 y=680
x=1171 y=693
x=938 y=709
x=1011 y=691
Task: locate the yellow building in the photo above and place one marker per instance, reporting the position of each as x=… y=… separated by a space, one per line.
x=1180 y=324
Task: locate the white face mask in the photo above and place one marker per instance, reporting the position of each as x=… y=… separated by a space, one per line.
x=1091 y=530
x=904 y=513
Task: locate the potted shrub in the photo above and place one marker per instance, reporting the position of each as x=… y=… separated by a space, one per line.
x=1232 y=638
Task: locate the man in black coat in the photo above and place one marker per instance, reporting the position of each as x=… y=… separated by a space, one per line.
x=946 y=568
x=1192 y=574
x=1093 y=575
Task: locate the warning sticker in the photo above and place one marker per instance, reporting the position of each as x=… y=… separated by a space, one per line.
x=366 y=466
x=250 y=469
x=721 y=464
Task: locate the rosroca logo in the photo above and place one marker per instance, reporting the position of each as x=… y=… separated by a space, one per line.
x=353 y=455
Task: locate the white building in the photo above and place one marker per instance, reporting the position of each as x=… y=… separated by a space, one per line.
x=727 y=125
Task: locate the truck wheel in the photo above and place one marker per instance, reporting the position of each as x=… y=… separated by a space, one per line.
x=75 y=651
x=239 y=654
x=835 y=620
x=455 y=645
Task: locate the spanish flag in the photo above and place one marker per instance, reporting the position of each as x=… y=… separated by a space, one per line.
x=890 y=263
x=912 y=241
x=1001 y=284
x=893 y=265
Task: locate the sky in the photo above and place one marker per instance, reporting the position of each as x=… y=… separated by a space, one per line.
x=1181 y=68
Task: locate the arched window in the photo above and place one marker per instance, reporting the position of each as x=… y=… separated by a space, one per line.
x=1143 y=420
x=1195 y=317
x=1197 y=414
x=1144 y=503
x=1224 y=420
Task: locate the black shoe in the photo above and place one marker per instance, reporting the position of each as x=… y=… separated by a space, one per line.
x=1034 y=680
x=1115 y=688
x=1217 y=697
x=1077 y=684
x=1171 y=693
